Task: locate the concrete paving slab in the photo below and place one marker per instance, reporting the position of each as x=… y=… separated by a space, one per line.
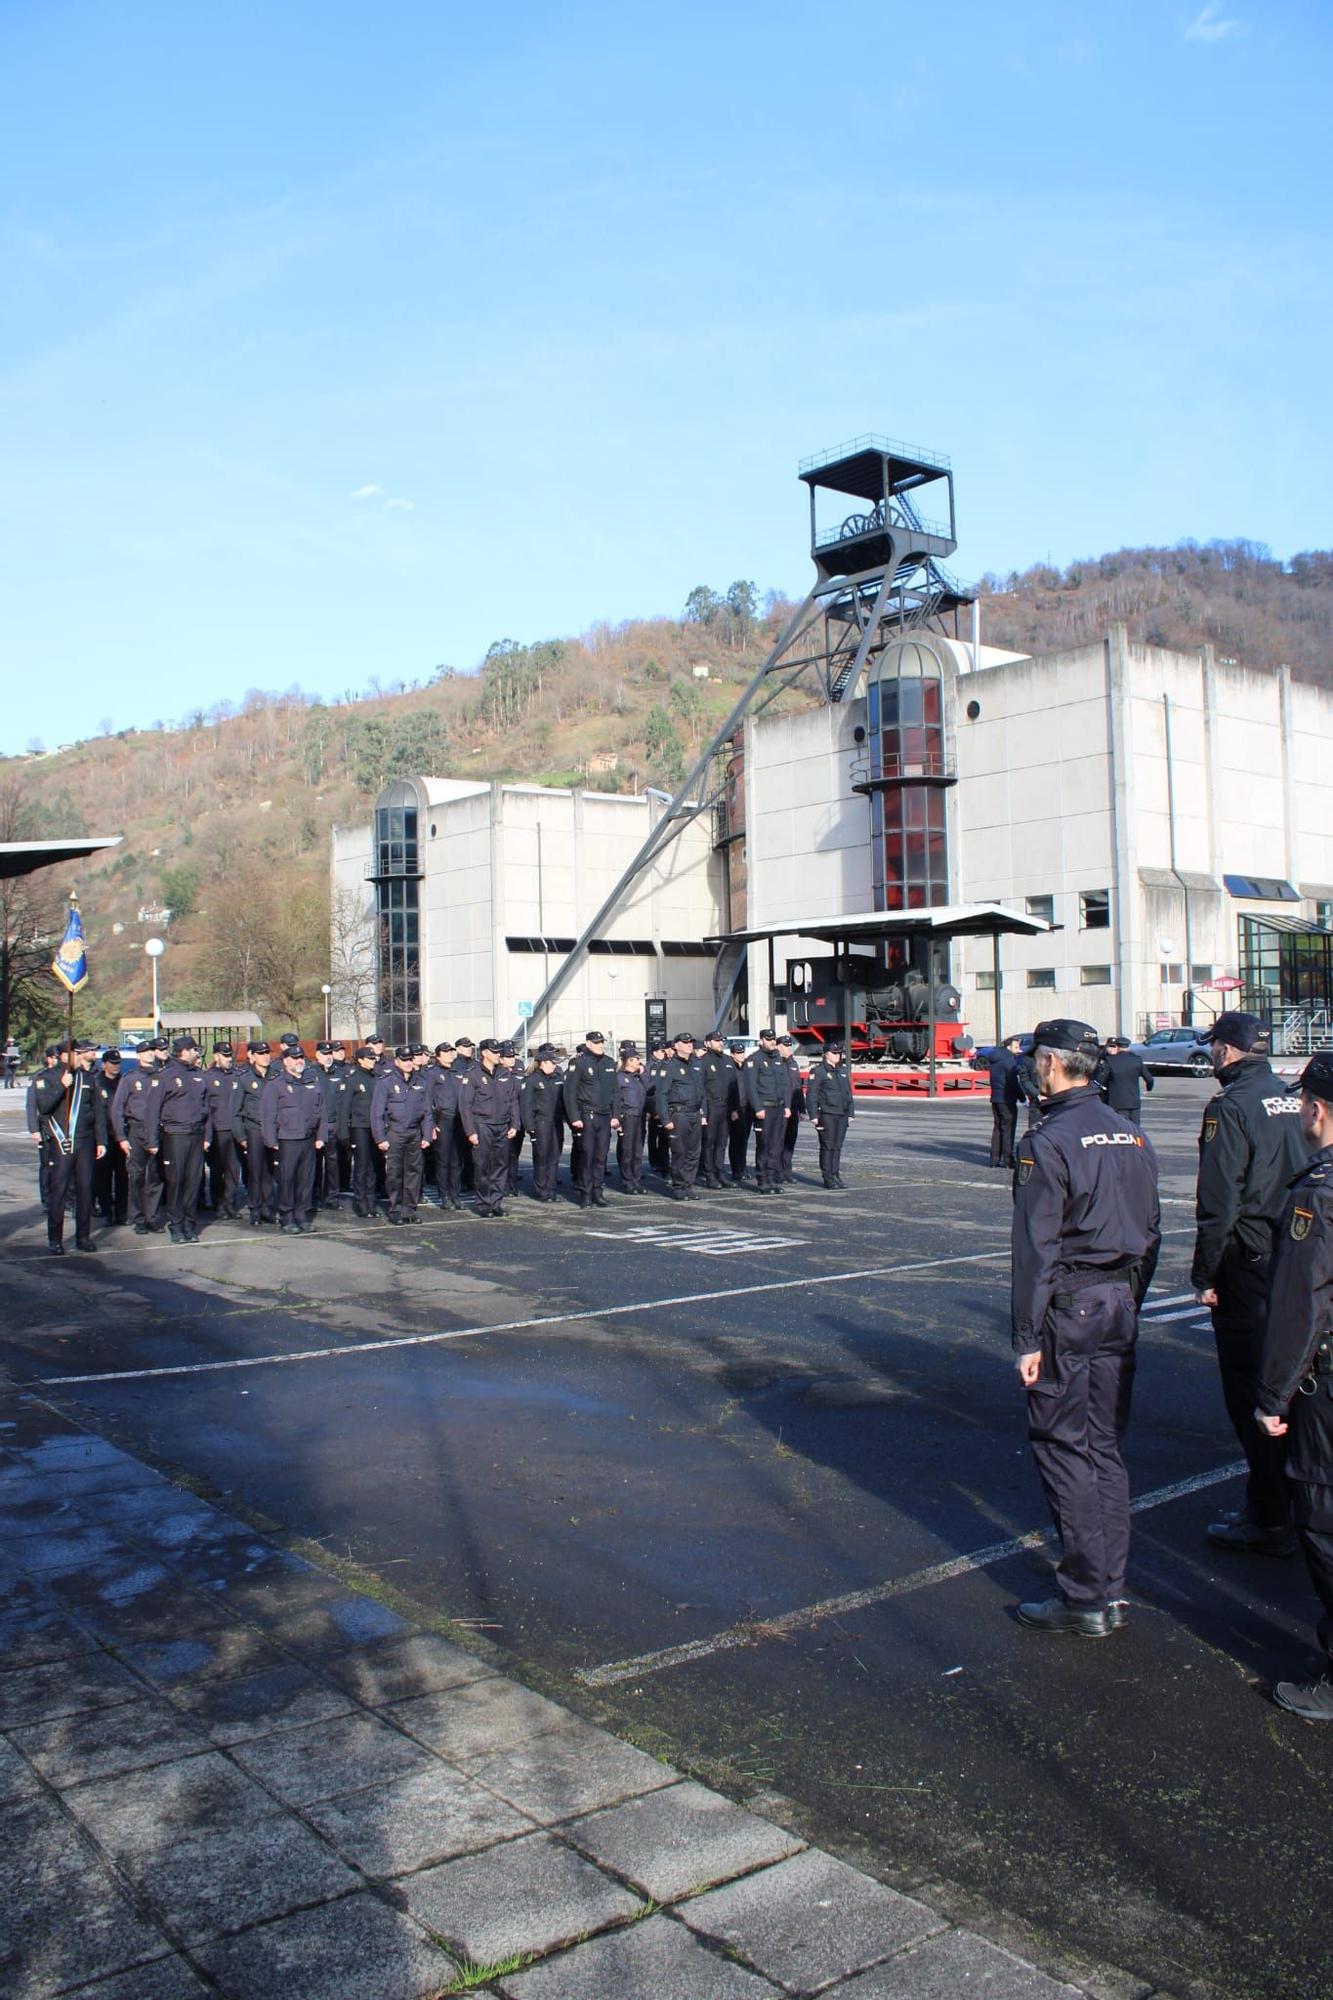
x=320 y=1630
x=810 y=1920
x=168 y=1518
x=17 y=1779
x=164 y=1979
x=45 y=1511
x=74 y=1451
x=220 y=1883
x=283 y=1697
x=541 y=1897
x=398 y=1669
x=64 y=1687
x=949 y=1967
x=34 y=1638
x=572 y=1770
x=65 y=1550
x=75 y=1479
x=217 y=1651
x=655 y=1957
x=471 y=1725
x=354 y=1949
x=76 y=1748
x=434 y=1816
x=326 y=1758
x=69 y=1929
x=143 y=1812
x=37 y=1843
x=137 y=1600
x=687 y=1838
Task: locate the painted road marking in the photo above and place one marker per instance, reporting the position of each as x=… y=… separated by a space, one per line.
x=1182 y=1312
x=719 y=1242
x=752 y=1631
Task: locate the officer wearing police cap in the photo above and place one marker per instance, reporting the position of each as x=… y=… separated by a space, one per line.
x=590 y=1101
x=1086 y=1235
x=1250 y=1146
x=1295 y=1394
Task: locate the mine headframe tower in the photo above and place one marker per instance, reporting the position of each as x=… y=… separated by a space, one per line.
x=878 y=577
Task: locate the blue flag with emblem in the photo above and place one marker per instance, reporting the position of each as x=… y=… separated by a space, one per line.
x=70 y=964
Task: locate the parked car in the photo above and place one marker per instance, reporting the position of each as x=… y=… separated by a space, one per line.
x=1171 y=1049
x=981 y=1056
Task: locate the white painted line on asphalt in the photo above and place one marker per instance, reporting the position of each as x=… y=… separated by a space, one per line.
x=1182 y=1312
x=753 y=1631
x=1176 y=1299
x=353 y=1348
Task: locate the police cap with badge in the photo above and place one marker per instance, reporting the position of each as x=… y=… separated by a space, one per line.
x=1066 y=1038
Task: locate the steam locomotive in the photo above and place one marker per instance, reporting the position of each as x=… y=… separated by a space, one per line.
x=884 y=1013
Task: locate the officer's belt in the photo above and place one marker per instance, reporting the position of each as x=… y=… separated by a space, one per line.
x=1079 y=1277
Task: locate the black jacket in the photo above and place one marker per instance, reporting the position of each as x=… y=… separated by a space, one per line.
x=1004 y=1084
x=828 y=1093
x=1300 y=1305
x=223 y=1086
x=355 y=1096
x=720 y=1084
x=294 y=1107
x=490 y=1100
x=540 y=1098
x=631 y=1095
x=1085 y=1199
x=590 y=1087
x=679 y=1088
x=401 y=1104
x=181 y=1105
x=1119 y=1077
x=765 y=1081
x=1250 y=1147
x=86 y=1103
x=248 y=1104
x=443 y=1086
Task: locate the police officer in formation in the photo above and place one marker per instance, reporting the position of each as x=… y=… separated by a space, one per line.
x=591 y=1109
x=444 y=1083
x=224 y=1154
x=294 y=1127
x=111 y=1186
x=632 y=1111
x=768 y=1091
x=129 y=1112
x=742 y=1118
x=721 y=1109
x=1123 y=1077
x=177 y=1126
x=402 y=1126
x=830 y=1108
x=682 y=1113
x=355 y=1097
x=488 y=1110
x=540 y=1107
x=73 y=1131
x=795 y=1104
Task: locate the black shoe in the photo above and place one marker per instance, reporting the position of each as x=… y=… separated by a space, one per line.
x=1117 y=1612
x=141 y=1229
x=84 y=1243
x=1312 y=1700
x=396 y=1221
x=308 y=1228
x=56 y=1249
x=291 y=1229
x=583 y=1201
x=838 y=1181
x=1246 y=1538
x=691 y=1194
x=1054 y=1615
x=177 y=1235
x=600 y=1201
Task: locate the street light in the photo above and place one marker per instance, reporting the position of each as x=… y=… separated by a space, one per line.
x=155 y=948
x=326 y=990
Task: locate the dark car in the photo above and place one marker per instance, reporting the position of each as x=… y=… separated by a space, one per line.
x=981 y=1057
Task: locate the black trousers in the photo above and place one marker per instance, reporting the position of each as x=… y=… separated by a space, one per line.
x=1004 y=1126
x=629 y=1150
x=594 y=1145
x=65 y=1172
x=545 y=1157
x=1239 y=1319
x=738 y=1142
x=790 y=1132
x=1077 y=1416
x=296 y=1180
x=713 y=1150
x=686 y=1137
x=182 y=1158
x=111 y=1183
x=832 y=1132
x=326 y=1176
x=365 y=1188
x=490 y=1166
x=224 y=1173
x=768 y=1146
x=515 y=1155
x=659 y=1144
x=260 y=1186
x=448 y=1162
x=403 y=1165
x=145 y=1178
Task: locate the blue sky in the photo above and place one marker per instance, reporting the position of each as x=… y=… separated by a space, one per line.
x=337 y=342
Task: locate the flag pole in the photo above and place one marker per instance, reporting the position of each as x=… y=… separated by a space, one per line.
x=69 y=1027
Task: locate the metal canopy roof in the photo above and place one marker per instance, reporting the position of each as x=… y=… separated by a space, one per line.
x=947 y=920
x=21 y=857
x=236 y=1018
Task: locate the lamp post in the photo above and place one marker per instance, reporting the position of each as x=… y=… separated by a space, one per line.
x=1166 y=946
x=154 y=948
x=326 y=991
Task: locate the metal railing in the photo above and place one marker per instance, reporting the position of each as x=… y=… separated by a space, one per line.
x=871 y=441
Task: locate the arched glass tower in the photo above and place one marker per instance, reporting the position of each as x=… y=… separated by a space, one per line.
x=396 y=872
x=910 y=768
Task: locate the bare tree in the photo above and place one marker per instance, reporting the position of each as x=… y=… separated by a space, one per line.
x=29 y=930
x=352 y=970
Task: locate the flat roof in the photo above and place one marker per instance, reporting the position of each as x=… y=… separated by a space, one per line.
x=237 y=1017
x=21 y=857
x=945 y=920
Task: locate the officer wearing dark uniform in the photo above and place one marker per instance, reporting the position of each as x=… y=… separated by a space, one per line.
x=1250 y=1147
x=631 y=1106
x=513 y=1062
x=830 y=1108
x=112 y=1182
x=261 y=1191
x=402 y=1127
x=742 y=1123
x=681 y=1110
x=1085 y=1240
x=74 y=1139
x=489 y=1111
x=129 y=1110
x=721 y=1092
x=465 y=1064
x=1295 y=1397
x=1122 y=1077
x=590 y=1107
x=1004 y=1098
x=294 y=1123
x=355 y=1096
x=659 y=1145
x=444 y=1083
x=326 y=1162
x=177 y=1128
x=224 y=1155
x=795 y=1103
x=540 y=1105
x=768 y=1092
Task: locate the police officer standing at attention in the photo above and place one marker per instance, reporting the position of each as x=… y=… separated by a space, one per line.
x=129 y=1111
x=443 y=1082
x=682 y=1112
x=742 y=1121
x=74 y=1139
x=830 y=1109
x=326 y=1163
x=1295 y=1400
x=248 y=1119
x=112 y=1183
x=178 y=1127
x=294 y=1123
x=400 y=1120
x=591 y=1108
x=489 y=1111
x=768 y=1092
x=224 y=1154
x=631 y=1103
x=1250 y=1148
x=659 y=1146
x=720 y=1095
x=540 y=1096
x=513 y=1062
x=1086 y=1235
x=354 y=1102
x=795 y=1103
x=1004 y=1096
x=1121 y=1078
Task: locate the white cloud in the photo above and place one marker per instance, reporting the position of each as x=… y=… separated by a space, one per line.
x=399 y=506
x=1211 y=25
x=368 y=493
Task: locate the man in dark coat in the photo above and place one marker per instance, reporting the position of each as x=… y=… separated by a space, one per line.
x=591 y=1107
x=540 y=1103
x=74 y=1139
x=1122 y=1077
x=489 y=1111
x=177 y=1129
x=112 y=1181
x=1004 y=1101
x=402 y=1126
x=830 y=1108
x=294 y=1124
x=356 y=1094
x=224 y=1154
x=129 y=1113
x=261 y=1191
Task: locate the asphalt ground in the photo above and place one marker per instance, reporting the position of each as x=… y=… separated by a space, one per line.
x=748 y=1480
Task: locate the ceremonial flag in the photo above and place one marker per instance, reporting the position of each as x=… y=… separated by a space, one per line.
x=70 y=964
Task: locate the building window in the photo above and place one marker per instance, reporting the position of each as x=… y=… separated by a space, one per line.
x=1323 y=915
x=396 y=849
x=1201 y=975
x=1042 y=977
x=623 y=947
x=911 y=853
x=686 y=948
x=544 y=944
x=1260 y=889
x=399 y=1011
x=1094 y=910
x=1040 y=906
x=985 y=982
x=908 y=765
x=1095 y=975
x=1173 y=975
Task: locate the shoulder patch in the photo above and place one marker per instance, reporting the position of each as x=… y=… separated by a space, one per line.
x=1301 y=1218
x=1025 y=1170
x=1209 y=1131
